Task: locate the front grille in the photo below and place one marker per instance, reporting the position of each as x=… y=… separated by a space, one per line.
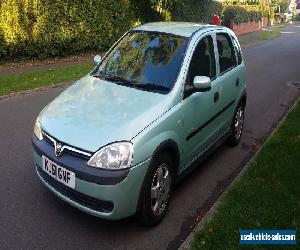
x=82 y=199
x=47 y=139
x=70 y=149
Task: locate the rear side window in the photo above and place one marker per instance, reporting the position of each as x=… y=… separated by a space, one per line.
x=237 y=50
x=227 y=58
x=203 y=61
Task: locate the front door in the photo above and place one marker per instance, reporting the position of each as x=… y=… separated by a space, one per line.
x=199 y=108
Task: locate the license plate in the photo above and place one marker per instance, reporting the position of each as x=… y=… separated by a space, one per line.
x=59 y=173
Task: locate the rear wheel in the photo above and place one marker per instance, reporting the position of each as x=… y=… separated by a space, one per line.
x=237 y=126
x=157 y=190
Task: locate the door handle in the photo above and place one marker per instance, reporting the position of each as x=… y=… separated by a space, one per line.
x=216 y=96
x=237 y=82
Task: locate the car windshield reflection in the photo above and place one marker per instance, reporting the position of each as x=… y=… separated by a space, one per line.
x=146 y=60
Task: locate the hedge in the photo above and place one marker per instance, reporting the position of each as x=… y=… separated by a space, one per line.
x=238 y=15
x=3 y=46
x=40 y=28
x=43 y=28
x=195 y=10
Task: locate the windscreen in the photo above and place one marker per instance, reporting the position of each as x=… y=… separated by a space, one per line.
x=142 y=59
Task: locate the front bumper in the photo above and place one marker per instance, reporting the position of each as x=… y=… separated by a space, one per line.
x=110 y=201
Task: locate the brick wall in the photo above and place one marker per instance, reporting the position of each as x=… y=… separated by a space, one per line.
x=248 y=27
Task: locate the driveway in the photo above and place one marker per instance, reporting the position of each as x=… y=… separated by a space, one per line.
x=31 y=217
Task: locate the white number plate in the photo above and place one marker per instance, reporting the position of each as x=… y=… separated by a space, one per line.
x=59 y=173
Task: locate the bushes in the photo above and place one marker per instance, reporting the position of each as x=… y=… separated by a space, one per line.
x=195 y=10
x=238 y=15
x=42 y=28
x=2 y=45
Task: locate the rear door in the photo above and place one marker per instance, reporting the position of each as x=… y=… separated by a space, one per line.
x=228 y=80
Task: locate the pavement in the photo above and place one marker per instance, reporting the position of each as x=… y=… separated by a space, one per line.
x=253 y=37
x=32 y=217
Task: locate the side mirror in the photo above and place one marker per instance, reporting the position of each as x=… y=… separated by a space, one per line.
x=97 y=59
x=202 y=83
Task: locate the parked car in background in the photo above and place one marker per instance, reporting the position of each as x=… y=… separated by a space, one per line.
x=116 y=142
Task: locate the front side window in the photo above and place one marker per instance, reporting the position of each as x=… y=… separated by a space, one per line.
x=227 y=59
x=142 y=59
x=203 y=61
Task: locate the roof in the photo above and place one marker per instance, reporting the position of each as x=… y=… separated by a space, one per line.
x=177 y=28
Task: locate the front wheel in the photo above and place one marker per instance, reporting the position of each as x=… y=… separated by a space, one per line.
x=237 y=125
x=156 y=193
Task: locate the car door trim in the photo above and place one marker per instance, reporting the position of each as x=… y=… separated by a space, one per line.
x=196 y=131
x=202 y=155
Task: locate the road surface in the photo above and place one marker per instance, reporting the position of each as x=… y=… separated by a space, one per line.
x=32 y=217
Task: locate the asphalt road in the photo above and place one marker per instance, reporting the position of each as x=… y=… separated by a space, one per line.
x=32 y=217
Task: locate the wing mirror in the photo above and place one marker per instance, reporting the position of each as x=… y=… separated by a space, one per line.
x=97 y=59
x=202 y=83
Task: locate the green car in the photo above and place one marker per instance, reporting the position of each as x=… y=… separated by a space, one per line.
x=116 y=142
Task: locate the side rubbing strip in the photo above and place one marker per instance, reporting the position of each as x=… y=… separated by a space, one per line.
x=196 y=131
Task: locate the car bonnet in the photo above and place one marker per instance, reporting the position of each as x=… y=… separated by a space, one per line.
x=92 y=113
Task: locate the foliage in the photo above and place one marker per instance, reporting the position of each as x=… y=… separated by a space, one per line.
x=40 y=28
x=267 y=8
x=281 y=5
x=238 y=15
x=2 y=45
x=162 y=7
x=263 y=9
x=195 y=10
x=146 y=10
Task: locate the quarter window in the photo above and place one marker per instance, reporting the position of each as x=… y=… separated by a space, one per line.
x=227 y=59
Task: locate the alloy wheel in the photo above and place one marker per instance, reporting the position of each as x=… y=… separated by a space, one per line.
x=160 y=189
x=239 y=122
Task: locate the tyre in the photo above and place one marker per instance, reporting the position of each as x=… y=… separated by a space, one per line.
x=237 y=125
x=156 y=192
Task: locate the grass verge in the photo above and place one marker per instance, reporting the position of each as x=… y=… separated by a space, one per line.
x=270 y=34
x=244 y=42
x=35 y=79
x=266 y=197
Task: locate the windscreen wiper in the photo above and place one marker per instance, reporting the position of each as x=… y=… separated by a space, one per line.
x=133 y=83
x=151 y=86
x=115 y=78
x=112 y=78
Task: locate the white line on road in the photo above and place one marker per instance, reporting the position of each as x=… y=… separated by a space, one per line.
x=289 y=32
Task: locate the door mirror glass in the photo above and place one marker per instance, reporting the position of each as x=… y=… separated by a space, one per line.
x=97 y=59
x=202 y=83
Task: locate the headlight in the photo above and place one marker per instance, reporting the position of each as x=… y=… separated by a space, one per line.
x=37 y=129
x=113 y=156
